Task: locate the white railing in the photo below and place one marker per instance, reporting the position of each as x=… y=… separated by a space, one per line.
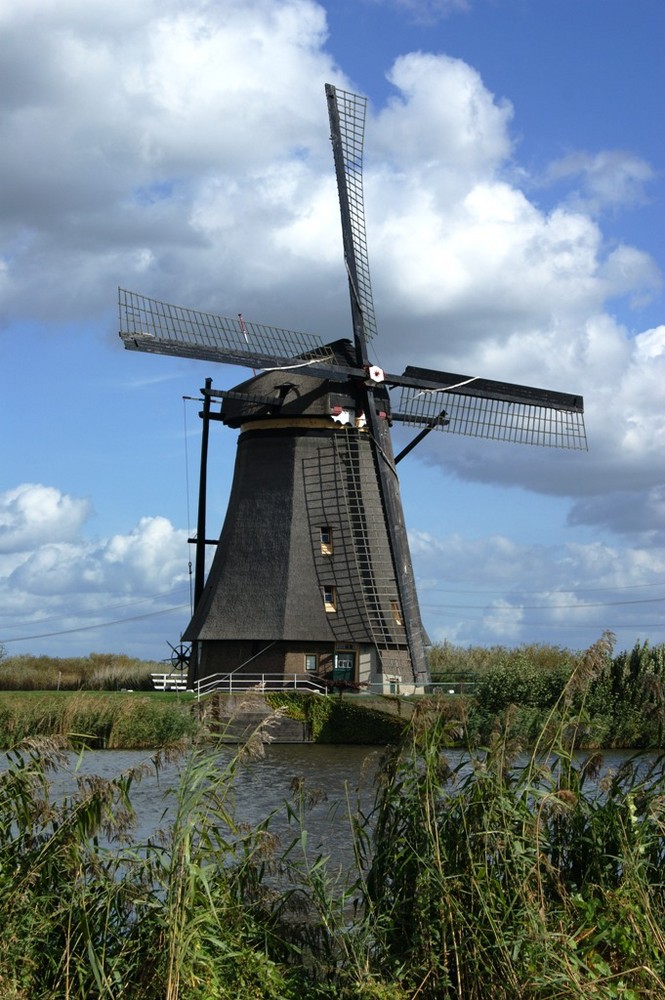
x=169 y=682
x=240 y=682
x=236 y=683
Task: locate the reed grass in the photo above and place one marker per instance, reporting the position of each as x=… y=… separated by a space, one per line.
x=514 y=876
x=102 y=720
x=96 y=672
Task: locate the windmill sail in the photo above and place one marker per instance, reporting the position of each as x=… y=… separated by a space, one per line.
x=500 y=411
x=347 y=122
x=162 y=328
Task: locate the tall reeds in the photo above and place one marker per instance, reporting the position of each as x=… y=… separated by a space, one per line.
x=95 y=719
x=96 y=672
x=514 y=875
x=88 y=914
x=517 y=874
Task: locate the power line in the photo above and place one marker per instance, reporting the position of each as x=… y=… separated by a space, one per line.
x=114 y=607
x=576 y=590
x=90 y=628
x=544 y=607
x=489 y=620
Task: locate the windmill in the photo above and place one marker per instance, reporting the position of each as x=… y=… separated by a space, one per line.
x=312 y=571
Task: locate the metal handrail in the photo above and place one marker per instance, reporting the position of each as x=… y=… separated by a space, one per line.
x=228 y=683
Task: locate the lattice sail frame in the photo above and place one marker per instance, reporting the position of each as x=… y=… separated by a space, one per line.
x=161 y=328
x=352 y=113
x=495 y=419
x=489 y=409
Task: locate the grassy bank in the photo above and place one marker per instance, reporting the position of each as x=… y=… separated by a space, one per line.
x=491 y=880
x=150 y=720
x=624 y=706
x=111 y=720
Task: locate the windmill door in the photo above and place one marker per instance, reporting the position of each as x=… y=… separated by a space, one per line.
x=344 y=668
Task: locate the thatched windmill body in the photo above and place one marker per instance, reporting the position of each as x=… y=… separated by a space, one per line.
x=312 y=571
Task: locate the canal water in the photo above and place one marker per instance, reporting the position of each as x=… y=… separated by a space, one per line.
x=338 y=778
x=335 y=778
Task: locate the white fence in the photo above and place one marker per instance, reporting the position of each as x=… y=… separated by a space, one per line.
x=169 y=682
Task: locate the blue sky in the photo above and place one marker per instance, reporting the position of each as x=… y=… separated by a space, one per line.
x=514 y=192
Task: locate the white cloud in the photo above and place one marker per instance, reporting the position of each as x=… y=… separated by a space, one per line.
x=53 y=579
x=114 y=128
x=607 y=179
x=151 y=554
x=503 y=620
x=132 y=157
x=623 y=380
x=149 y=560
x=33 y=514
x=444 y=115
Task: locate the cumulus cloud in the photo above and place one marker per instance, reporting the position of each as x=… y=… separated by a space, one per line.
x=50 y=571
x=493 y=589
x=129 y=155
x=54 y=557
x=147 y=560
x=622 y=380
x=114 y=127
x=468 y=130
x=484 y=281
x=33 y=514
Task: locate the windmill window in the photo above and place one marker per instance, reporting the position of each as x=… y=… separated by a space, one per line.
x=330 y=599
x=397 y=612
x=311 y=662
x=326 y=540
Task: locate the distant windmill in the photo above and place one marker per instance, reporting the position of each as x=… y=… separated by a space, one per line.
x=312 y=572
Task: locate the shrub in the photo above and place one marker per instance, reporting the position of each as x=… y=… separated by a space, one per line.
x=447 y=660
